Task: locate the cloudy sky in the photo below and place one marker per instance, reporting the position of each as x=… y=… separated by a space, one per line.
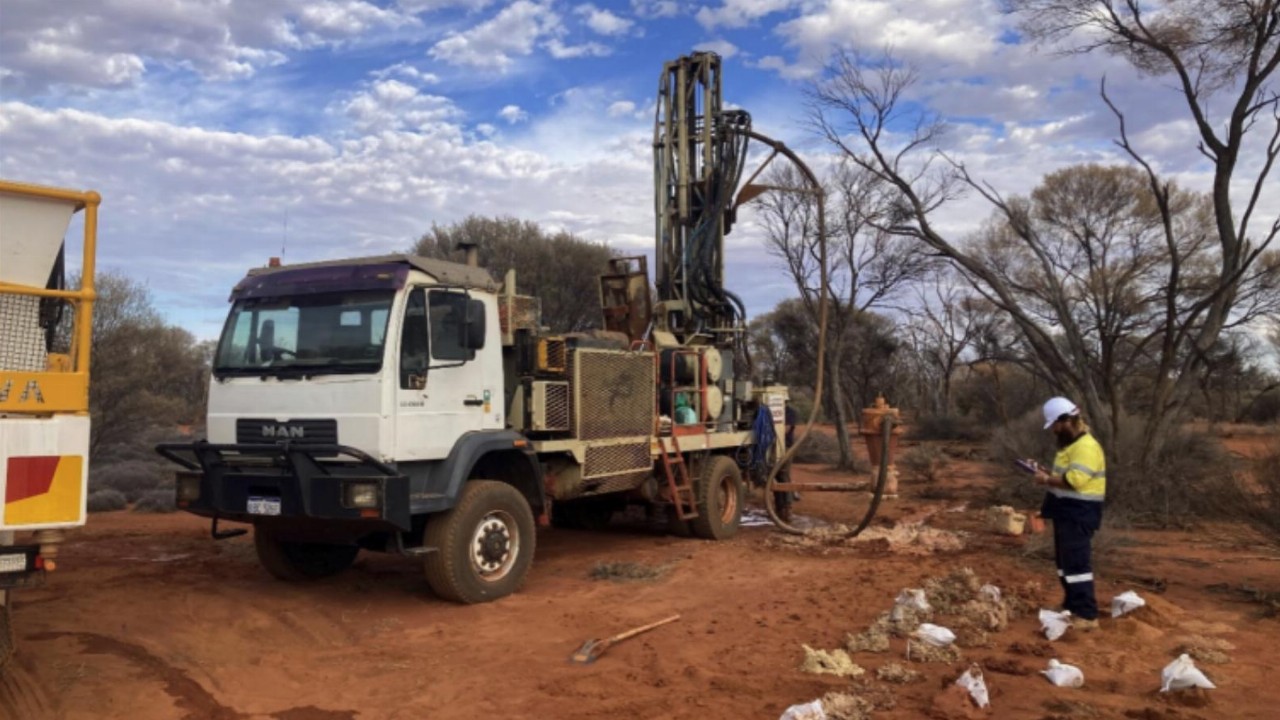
x=219 y=131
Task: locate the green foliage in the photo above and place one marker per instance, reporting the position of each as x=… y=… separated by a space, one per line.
x=146 y=373
x=559 y=268
x=107 y=500
x=156 y=501
x=132 y=478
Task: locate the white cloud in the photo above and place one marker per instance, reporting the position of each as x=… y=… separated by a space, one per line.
x=492 y=44
x=723 y=48
x=621 y=108
x=83 y=43
x=420 y=6
x=409 y=71
x=964 y=31
x=560 y=51
x=655 y=8
x=513 y=114
x=740 y=13
x=603 y=22
x=789 y=71
x=390 y=104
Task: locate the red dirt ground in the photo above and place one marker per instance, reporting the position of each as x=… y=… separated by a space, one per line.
x=149 y=619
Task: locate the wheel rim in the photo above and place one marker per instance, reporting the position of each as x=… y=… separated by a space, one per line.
x=495 y=545
x=728 y=499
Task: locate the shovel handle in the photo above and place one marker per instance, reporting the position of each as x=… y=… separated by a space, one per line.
x=644 y=628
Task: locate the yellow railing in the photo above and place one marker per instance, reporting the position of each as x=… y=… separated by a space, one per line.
x=64 y=386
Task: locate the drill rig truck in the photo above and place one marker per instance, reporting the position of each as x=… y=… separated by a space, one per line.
x=416 y=406
x=44 y=383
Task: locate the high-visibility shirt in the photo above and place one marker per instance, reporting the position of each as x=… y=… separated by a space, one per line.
x=1084 y=466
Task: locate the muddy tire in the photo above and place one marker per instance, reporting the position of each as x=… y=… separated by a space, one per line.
x=298 y=561
x=719 y=495
x=484 y=544
x=7 y=644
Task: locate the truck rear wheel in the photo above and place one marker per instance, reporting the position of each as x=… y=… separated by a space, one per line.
x=718 y=491
x=7 y=645
x=484 y=545
x=295 y=561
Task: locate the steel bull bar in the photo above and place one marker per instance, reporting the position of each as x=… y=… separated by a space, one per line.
x=288 y=481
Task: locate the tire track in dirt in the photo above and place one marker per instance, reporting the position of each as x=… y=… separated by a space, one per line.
x=21 y=696
x=189 y=694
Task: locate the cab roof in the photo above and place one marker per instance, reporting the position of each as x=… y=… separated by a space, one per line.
x=361 y=273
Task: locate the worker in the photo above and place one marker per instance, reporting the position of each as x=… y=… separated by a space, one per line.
x=783 y=500
x=1076 y=486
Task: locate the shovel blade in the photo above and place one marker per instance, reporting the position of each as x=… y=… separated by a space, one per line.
x=589 y=652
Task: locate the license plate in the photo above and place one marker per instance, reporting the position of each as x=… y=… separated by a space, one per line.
x=264 y=506
x=13 y=563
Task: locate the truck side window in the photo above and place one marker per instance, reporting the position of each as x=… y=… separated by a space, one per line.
x=414 y=356
x=448 y=315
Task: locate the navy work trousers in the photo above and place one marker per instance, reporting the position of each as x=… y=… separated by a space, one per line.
x=1071 y=546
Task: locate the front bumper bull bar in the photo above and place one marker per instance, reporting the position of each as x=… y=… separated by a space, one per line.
x=310 y=481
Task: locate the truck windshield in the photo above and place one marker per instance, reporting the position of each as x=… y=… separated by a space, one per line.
x=337 y=332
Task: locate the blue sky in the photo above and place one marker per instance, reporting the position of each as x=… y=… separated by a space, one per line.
x=211 y=125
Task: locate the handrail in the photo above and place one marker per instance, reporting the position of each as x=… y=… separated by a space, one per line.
x=86 y=295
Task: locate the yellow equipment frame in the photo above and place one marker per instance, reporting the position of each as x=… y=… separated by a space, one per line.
x=64 y=386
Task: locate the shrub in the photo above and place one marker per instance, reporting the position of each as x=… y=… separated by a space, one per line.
x=818 y=448
x=131 y=477
x=107 y=500
x=1191 y=471
x=946 y=427
x=922 y=463
x=1255 y=496
x=155 y=501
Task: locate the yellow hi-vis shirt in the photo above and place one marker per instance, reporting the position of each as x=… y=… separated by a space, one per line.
x=1084 y=466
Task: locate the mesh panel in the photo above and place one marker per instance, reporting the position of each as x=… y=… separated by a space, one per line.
x=24 y=346
x=613 y=459
x=614 y=393
x=551 y=406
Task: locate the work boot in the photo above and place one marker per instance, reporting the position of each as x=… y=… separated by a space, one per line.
x=1085 y=625
x=784 y=513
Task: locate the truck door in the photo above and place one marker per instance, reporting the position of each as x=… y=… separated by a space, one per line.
x=441 y=387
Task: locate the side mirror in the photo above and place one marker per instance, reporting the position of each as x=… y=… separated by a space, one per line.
x=473 y=329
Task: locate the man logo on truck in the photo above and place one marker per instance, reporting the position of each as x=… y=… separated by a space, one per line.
x=284 y=432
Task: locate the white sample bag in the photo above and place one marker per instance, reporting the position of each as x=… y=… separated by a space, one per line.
x=914 y=599
x=1054 y=624
x=1125 y=603
x=1183 y=673
x=935 y=635
x=808 y=711
x=990 y=592
x=1064 y=675
x=972 y=681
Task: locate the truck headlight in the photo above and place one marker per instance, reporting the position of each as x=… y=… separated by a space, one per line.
x=188 y=487
x=360 y=495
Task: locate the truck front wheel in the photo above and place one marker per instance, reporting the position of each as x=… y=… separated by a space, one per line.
x=484 y=545
x=294 y=561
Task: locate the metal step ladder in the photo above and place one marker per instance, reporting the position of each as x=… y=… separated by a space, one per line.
x=678 y=484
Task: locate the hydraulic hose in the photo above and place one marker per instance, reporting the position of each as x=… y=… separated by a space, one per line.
x=820 y=376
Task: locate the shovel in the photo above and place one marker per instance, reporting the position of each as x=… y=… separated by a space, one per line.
x=593 y=649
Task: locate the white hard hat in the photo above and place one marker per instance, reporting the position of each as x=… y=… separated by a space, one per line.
x=1056 y=408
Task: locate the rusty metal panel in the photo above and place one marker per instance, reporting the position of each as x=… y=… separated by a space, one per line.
x=518 y=312
x=614 y=394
